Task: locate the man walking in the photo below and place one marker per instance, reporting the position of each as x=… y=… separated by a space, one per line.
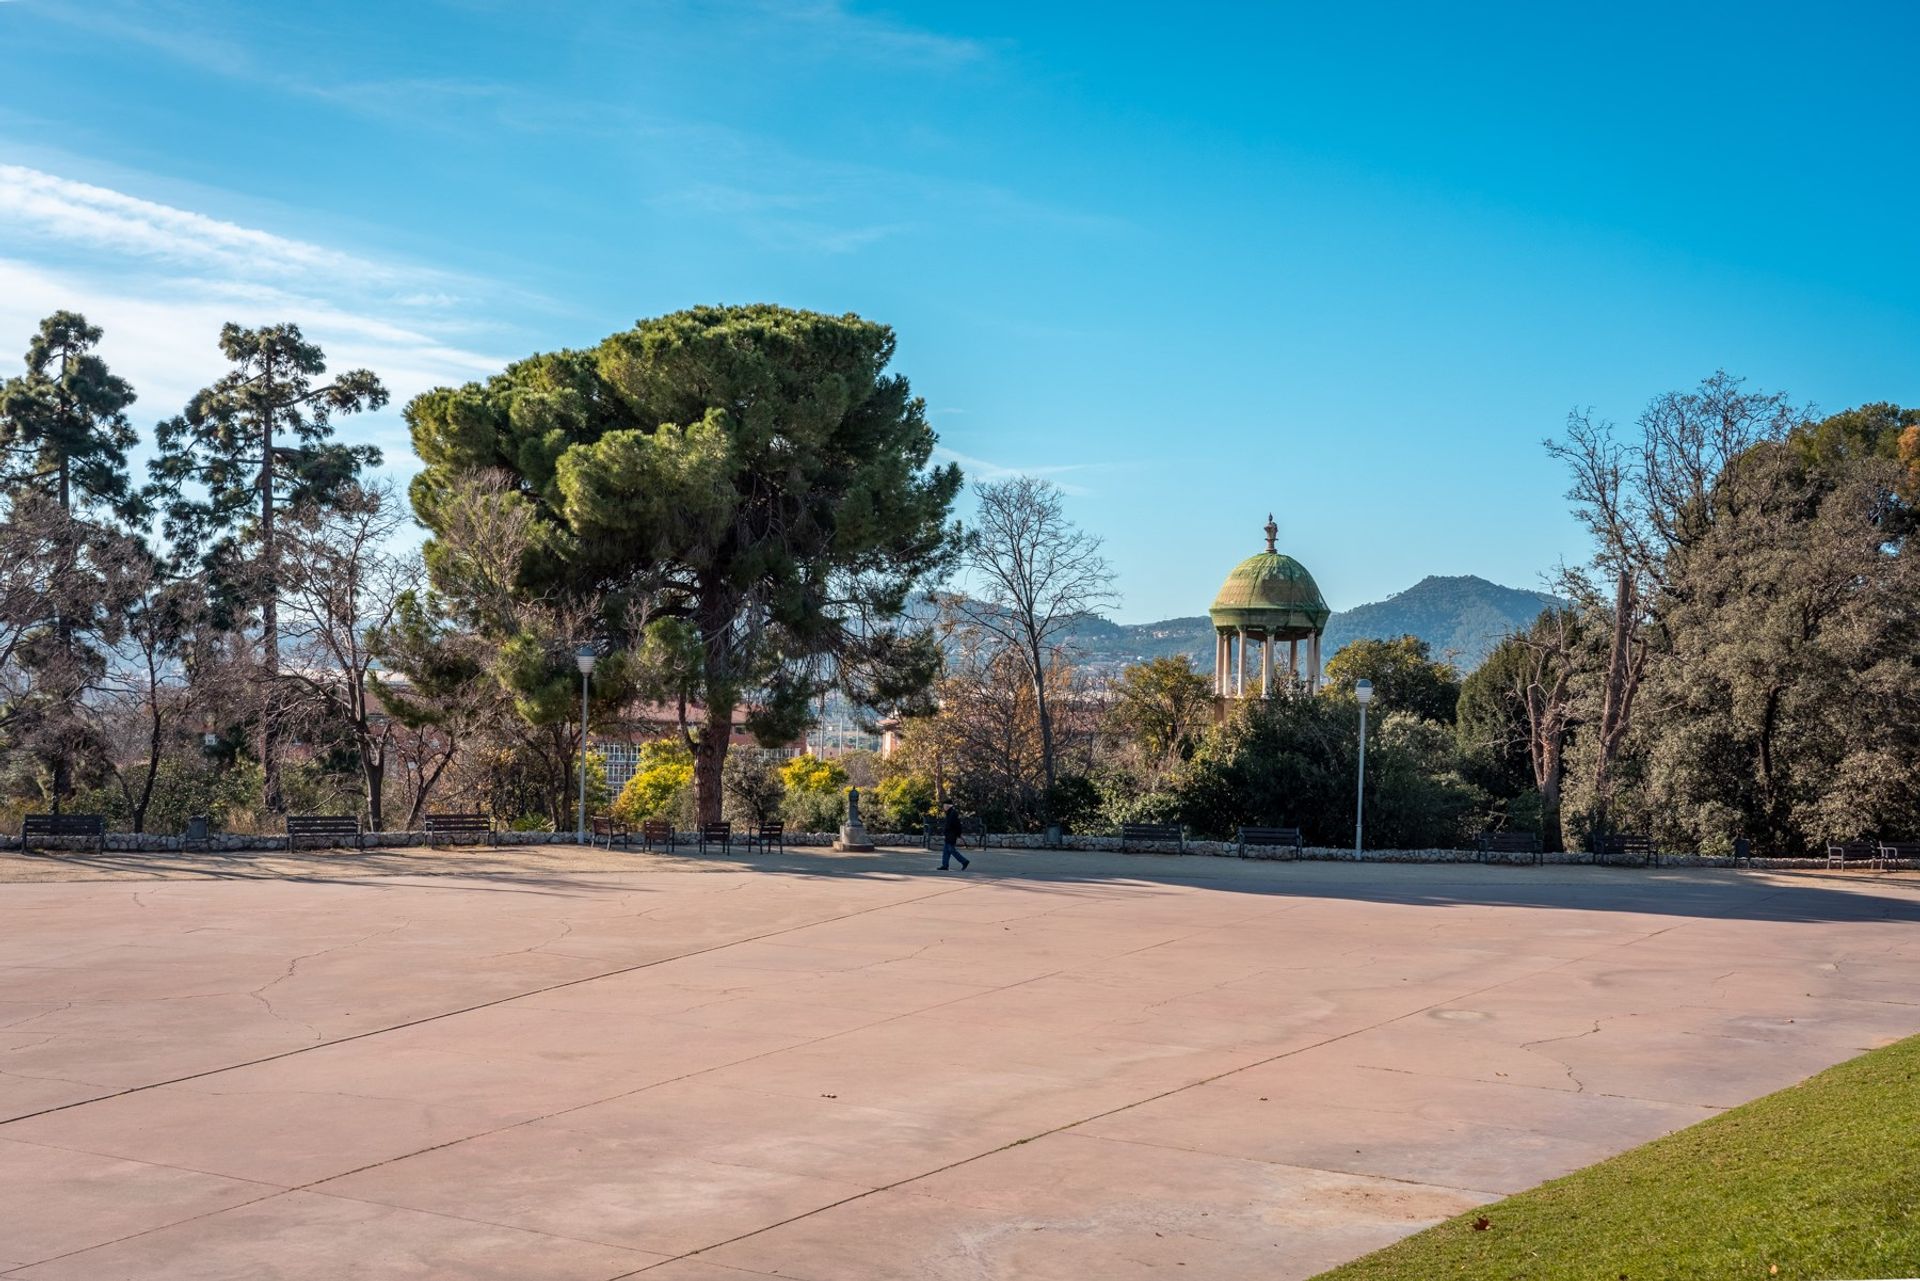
x=950 y=841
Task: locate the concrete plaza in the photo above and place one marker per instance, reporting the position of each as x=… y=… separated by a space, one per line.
x=556 y=1064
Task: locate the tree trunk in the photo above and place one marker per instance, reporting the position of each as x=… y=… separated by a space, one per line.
x=269 y=614
x=428 y=780
x=709 y=758
x=373 y=770
x=153 y=767
x=63 y=629
x=1550 y=777
x=1617 y=699
x=1045 y=715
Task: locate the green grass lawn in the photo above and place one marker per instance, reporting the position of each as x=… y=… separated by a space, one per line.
x=1816 y=1182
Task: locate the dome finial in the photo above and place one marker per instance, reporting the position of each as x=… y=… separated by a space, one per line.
x=1273 y=532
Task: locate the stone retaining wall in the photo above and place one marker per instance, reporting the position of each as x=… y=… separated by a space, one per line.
x=225 y=843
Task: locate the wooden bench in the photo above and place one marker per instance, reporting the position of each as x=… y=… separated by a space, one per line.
x=454 y=826
x=656 y=831
x=1153 y=834
x=935 y=830
x=1853 y=853
x=330 y=830
x=767 y=836
x=1509 y=842
x=609 y=829
x=1624 y=845
x=1896 y=852
x=88 y=829
x=720 y=834
x=1271 y=838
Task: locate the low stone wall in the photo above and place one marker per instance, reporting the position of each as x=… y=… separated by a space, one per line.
x=222 y=843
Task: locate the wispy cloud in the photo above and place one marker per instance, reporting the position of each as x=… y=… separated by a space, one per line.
x=768 y=193
x=848 y=32
x=979 y=469
x=161 y=280
x=44 y=206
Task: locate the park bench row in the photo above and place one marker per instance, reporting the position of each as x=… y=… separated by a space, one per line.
x=657 y=833
x=90 y=830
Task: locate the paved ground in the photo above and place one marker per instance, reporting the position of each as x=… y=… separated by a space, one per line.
x=855 y=1069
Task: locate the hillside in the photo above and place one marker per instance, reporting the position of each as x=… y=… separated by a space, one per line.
x=1459 y=617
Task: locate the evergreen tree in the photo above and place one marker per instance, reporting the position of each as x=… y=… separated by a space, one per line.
x=63 y=423
x=738 y=498
x=254 y=443
x=64 y=438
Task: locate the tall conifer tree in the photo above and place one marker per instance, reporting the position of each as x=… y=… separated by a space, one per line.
x=254 y=443
x=63 y=423
x=64 y=438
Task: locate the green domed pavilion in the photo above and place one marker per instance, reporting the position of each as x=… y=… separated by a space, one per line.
x=1268 y=597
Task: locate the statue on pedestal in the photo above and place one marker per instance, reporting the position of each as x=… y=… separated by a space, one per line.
x=853 y=836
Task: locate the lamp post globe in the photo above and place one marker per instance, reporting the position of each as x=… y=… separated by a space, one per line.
x=1363 y=694
x=584 y=659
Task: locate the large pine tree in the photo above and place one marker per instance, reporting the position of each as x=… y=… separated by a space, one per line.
x=738 y=500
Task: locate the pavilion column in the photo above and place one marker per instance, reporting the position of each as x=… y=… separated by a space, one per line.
x=1293 y=662
x=1313 y=657
x=1240 y=666
x=1266 y=665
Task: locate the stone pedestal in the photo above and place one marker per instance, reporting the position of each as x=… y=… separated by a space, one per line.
x=853 y=840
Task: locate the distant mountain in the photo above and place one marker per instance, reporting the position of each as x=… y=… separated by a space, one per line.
x=1461 y=618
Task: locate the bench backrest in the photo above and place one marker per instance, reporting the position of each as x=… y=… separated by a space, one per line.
x=459 y=822
x=322 y=825
x=1626 y=843
x=654 y=828
x=607 y=823
x=1510 y=842
x=1900 y=849
x=772 y=831
x=321 y=822
x=63 y=825
x=717 y=831
x=1269 y=836
x=1853 y=849
x=1149 y=831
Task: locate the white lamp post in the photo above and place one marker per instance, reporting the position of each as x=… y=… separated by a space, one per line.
x=1363 y=691
x=584 y=658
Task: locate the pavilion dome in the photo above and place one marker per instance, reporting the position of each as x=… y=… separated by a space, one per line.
x=1270 y=593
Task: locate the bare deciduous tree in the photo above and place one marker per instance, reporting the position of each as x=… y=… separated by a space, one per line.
x=1034 y=575
x=1642 y=500
x=157 y=680
x=339 y=582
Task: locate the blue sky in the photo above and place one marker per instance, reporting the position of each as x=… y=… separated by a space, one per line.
x=1348 y=263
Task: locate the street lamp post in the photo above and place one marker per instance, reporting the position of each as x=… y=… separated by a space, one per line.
x=585 y=661
x=1363 y=691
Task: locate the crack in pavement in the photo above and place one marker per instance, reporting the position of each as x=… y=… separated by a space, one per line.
x=488 y=1004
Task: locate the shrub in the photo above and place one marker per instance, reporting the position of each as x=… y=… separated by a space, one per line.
x=816 y=791
x=902 y=802
x=661 y=786
x=750 y=787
